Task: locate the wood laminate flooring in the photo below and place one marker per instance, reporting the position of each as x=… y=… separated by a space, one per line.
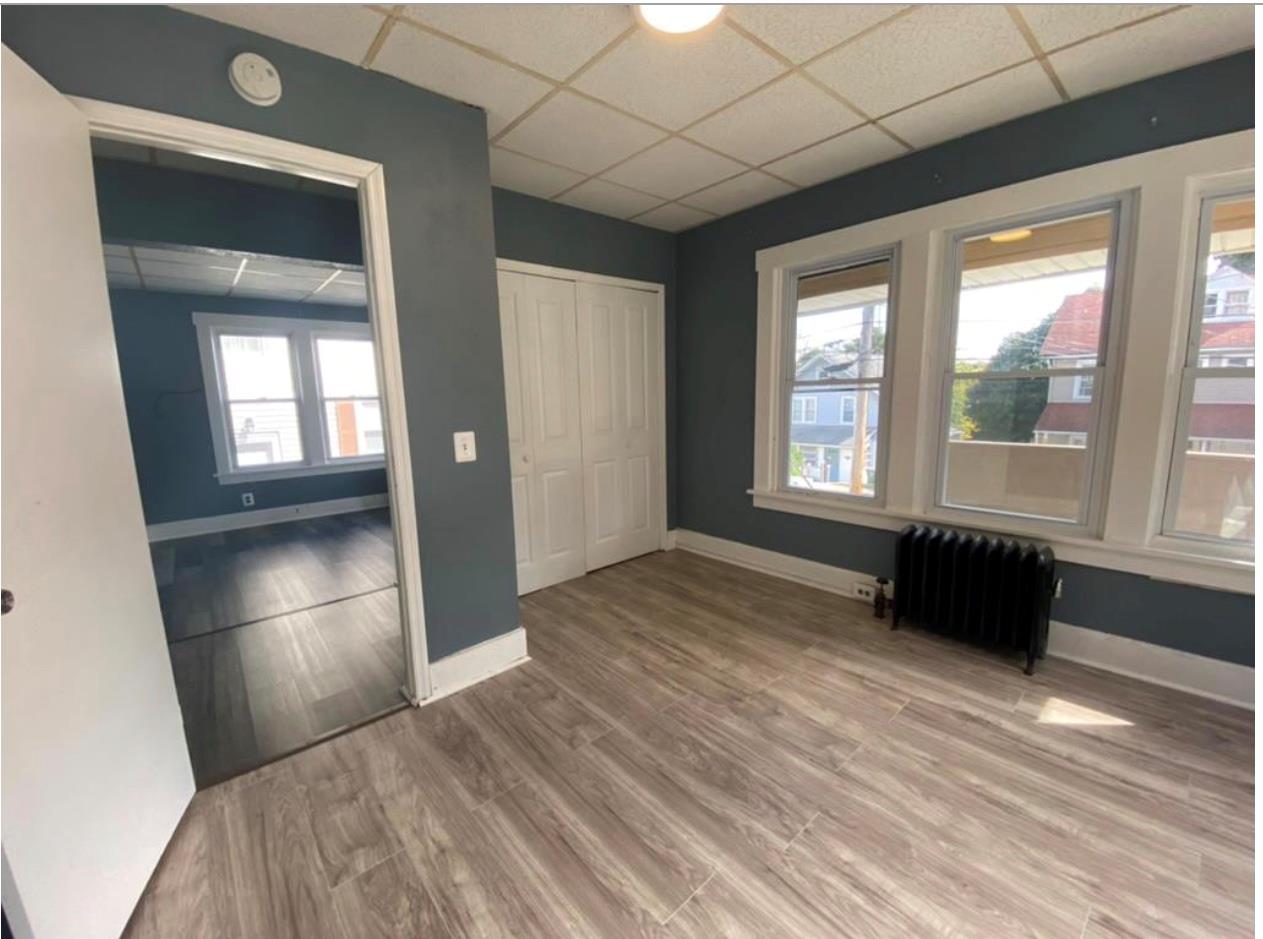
x=699 y=750
x=280 y=635
x=217 y=581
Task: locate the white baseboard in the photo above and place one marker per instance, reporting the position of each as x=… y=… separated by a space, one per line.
x=668 y=540
x=470 y=666
x=164 y=531
x=1171 y=668
x=812 y=573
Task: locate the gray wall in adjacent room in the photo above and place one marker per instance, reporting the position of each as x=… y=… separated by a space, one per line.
x=434 y=152
x=542 y=232
x=715 y=335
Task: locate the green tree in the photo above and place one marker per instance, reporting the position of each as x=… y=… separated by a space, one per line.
x=961 y=421
x=1008 y=410
x=1243 y=262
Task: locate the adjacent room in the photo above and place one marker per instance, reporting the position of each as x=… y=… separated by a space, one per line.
x=600 y=470
x=241 y=319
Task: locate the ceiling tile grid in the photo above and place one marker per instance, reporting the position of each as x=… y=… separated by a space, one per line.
x=586 y=107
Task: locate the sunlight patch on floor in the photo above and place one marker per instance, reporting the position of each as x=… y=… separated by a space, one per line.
x=1061 y=711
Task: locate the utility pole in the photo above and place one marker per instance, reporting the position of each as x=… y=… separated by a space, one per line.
x=859 y=434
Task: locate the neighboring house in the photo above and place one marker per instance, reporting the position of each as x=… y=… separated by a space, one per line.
x=822 y=423
x=1222 y=419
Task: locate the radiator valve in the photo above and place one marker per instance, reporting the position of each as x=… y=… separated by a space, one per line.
x=880 y=599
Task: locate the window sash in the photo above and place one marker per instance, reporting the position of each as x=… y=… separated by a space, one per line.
x=1193 y=370
x=1089 y=517
x=881 y=384
x=308 y=400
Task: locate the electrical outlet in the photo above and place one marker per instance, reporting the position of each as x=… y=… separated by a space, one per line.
x=864 y=592
x=247 y=499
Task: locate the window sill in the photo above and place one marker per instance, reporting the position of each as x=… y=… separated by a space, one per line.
x=237 y=477
x=1159 y=562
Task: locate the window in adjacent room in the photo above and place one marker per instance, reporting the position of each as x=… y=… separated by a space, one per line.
x=348 y=390
x=289 y=396
x=839 y=373
x=260 y=399
x=1211 y=491
x=1023 y=387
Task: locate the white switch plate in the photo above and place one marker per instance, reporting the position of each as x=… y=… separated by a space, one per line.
x=466 y=448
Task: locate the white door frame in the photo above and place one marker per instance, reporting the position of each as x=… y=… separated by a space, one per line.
x=185 y=135
x=561 y=273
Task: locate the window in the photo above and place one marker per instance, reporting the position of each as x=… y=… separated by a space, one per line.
x=289 y=397
x=838 y=353
x=848 y=409
x=803 y=409
x=348 y=391
x=261 y=400
x=1021 y=391
x=1211 y=490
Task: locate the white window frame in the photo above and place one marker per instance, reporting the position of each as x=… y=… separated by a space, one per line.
x=788 y=379
x=1077 y=393
x=1121 y=207
x=1192 y=370
x=804 y=400
x=842 y=409
x=302 y=335
x=1135 y=450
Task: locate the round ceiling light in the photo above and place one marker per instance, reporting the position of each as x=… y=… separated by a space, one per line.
x=678 y=19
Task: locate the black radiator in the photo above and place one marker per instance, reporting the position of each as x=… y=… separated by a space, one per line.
x=990 y=591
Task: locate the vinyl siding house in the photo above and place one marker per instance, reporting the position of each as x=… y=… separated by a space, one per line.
x=822 y=423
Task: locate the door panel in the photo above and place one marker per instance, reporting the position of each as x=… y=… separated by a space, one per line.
x=537 y=319
x=96 y=772
x=619 y=388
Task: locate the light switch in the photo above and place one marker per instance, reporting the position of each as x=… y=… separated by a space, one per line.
x=466 y=449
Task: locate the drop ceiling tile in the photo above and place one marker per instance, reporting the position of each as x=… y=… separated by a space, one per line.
x=196 y=272
x=572 y=131
x=673 y=83
x=735 y=194
x=304 y=285
x=425 y=60
x=268 y=293
x=1056 y=24
x=552 y=38
x=1172 y=41
x=284 y=267
x=349 y=278
x=120 y=281
x=597 y=195
x=854 y=150
x=342 y=30
x=337 y=299
x=776 y=120
x=673 y=217
x=170 y=255
x=117 y=251
x=119 y=264
x=799 y=31
x=993 y=100
x=673 y=168
x=927 y=51
x=183 y=285
x=522 y=174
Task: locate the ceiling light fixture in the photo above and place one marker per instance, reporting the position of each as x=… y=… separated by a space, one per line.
x=677 y=19
x=1006 y=237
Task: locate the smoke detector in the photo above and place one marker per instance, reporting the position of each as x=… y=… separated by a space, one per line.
x=255 y=79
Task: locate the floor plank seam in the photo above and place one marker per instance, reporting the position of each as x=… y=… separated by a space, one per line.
x=700 y=887
x=798 y=834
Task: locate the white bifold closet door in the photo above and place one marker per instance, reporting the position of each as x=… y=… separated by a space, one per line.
x=541 y=378
x=619 y=386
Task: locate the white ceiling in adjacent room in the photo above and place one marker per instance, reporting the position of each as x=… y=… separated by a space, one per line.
x=211 y=272
x=588 y=108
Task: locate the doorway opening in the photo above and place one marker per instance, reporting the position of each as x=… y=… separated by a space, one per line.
x=255 y=403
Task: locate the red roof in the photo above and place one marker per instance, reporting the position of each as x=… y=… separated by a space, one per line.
x=1238 y=335
x=1076 y=326
x=1227 y=421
